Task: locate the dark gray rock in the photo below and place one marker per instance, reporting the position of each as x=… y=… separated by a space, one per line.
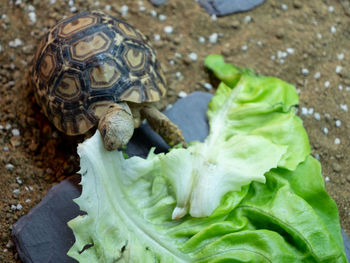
x=158 y=2
x=226 y=7
x=43 y=235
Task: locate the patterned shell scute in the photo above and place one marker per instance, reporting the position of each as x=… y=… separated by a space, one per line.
x=89 y=61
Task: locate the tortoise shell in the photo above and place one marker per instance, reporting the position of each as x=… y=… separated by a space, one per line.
x=89 y=61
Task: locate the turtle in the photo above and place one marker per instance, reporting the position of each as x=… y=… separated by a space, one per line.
x=92 y=70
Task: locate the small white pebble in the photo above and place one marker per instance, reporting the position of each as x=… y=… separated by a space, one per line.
x=244 y=48
x=124 y=10
x=19 y=207
x=15 y=43
x=9 y=166
x=340 y=56
x=338 y=123
x=162 y=17
x=201 y=40
x=28 y=201
x=156 y=37
x=337 y=141
x=290 y=50
x=172 y=62
x=18 y=180
x=16 y=191
x=333 y=29
x=338 y=69
x=193 y=56
x=331 y=8
x=178 y=55
x=70 y=2
x=319 y=35
x=317 y=116
x=340 y=87
x=52 y=2
x=153 y=13
x=142 y=8
x=325 y=130
x=182 y=94
x=347 y=88
x=18 y=2
x=310 y=111
x=284 y=7
x=259 y=43
x=168 y=29
x=1 y=127
x=326 y=84
x=15 y=132
x=13 y=207
x=108 y=8
x=247 y=19
x=213 y=38
x=317 y=156
x=169 y=106
x=178 y=75
x=344 y=107
x=32 y=16
x=281 y=54
x=305 y=71
x=273 y=57
x=214 y=17
x=30 y=8
x=5 y=149
x=327 y=179
x=304 y=111
x=73 y=9
x=282 y=61
x=208 y=86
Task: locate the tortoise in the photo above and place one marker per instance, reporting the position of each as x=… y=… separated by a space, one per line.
x=92 y=69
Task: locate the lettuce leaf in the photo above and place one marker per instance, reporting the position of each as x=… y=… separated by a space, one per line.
x=249 y=193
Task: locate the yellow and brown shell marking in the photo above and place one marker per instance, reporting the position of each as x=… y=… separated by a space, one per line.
x=88 y=61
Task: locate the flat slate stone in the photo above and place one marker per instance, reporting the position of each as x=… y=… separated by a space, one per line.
x=226 y=7
x=43 y=235
x=158 y=2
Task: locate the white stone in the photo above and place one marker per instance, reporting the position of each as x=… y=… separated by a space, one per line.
x=325 y=130
x=213 y=38
x=247 y=19
x=18 y=180
x=168 y=29
x=281 y=54
x=310 y=111
x=290 y=51
x=344 y=107
x=73 y=9
x=124 y=10
x=338 y=69
x=208 y=86
x=52 y=2
x=19 y=207
x=178 y=75
x=162 y=17
x=317 y=116
x=304 y=111
x=214 y=17
x=244 y=48
x=338 y=123
x=319 y=35
x=340 y=56
x=259 y=43
x=70 y=2
x=9 y=166
x=305 y=71
x=15 y=43
x=108 y=8
x=182 y=94
x=337 y=141
x=327 y=84
x=333 y=29
x=201 y=40
x=16 y=192
x=284 y=7
x=153 y=13
x=156 y=37
x=15 y=132
x=340 y=87
x=331 y=8
x=193 y=56
x=327 y=179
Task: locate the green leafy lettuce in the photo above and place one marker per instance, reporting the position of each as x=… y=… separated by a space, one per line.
x=250 y=192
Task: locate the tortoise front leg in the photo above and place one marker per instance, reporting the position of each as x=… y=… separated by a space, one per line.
x=161 y=124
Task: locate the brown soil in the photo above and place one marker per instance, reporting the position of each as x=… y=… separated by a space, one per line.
x=40 y=156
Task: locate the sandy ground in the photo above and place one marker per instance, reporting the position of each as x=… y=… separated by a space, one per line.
x=303 y=42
